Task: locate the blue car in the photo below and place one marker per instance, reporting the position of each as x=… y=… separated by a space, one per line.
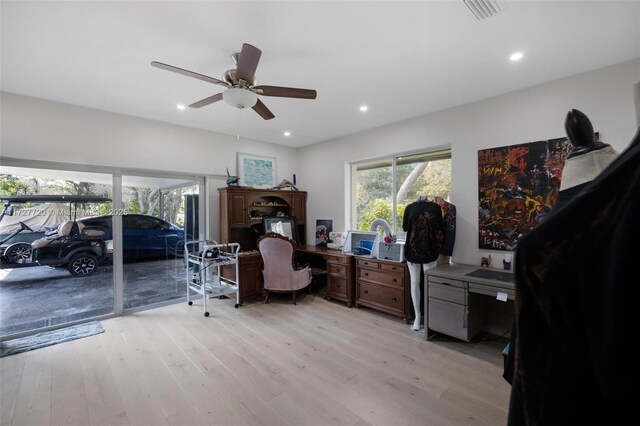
x=144 y=236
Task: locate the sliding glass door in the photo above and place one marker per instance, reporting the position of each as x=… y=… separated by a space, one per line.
x=159 y=214
x=114 y=242
x=55 y=269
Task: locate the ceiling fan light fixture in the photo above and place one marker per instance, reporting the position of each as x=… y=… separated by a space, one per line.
x=515 y=57
x=240 y=98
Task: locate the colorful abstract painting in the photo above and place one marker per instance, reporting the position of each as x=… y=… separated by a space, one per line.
x=518 y=185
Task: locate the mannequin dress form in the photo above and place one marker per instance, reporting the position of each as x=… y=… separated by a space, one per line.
x=587 y=158
x=424 y=225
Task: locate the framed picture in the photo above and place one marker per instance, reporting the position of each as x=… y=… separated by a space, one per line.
x=323 y=228
x=256 y=171
x=283 y=225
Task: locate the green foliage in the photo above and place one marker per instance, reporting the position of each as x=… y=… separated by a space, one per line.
x=134 y=199
x=376 y=209
x=374 y=190
x=13 y=185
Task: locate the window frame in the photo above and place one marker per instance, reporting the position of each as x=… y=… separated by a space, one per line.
x=392 y=160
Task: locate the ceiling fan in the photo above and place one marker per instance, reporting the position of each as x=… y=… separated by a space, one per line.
x=240 y=82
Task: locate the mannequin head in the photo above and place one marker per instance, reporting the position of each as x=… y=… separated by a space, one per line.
x=580 y=133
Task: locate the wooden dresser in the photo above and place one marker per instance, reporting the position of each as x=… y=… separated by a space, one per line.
x=384 y=285
x=340 y=280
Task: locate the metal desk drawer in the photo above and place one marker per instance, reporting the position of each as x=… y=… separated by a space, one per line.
x=448 y=318
x=491 y=291
x=447 y=293
x=447 y=281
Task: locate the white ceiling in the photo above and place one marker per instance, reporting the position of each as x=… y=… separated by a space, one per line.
x=402 y=59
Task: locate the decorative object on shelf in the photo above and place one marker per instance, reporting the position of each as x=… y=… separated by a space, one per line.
x=256 y=171
x=232 y=180
x=506 y=262
x=285 y=184
x=486 y=261
x=390 y=239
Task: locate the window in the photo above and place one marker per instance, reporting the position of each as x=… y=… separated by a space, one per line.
x=382 y=189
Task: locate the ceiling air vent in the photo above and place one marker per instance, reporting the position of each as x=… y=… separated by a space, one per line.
x=482 y=9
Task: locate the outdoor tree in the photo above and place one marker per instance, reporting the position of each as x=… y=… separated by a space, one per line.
x=374 y=189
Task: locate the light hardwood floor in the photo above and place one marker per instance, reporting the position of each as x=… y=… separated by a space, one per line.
x=317 y=363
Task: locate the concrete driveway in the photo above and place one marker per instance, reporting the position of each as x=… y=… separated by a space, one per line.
x=40 y=296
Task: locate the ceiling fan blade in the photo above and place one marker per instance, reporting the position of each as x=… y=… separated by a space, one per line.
x=248 y=62
x=286 y=92
x=262 y=110
x=189 y=73
x=207 y=101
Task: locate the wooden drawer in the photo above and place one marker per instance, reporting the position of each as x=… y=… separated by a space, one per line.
x=339 y=259
x=382 y=297
x=337 y=287
x=448 y=318
x=447 y=293
x=397 y=268
x=382 y=277
x=337 y=269
x=448 y=281
x=368 y=263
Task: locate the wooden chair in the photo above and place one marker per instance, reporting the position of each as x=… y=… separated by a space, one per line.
x=279 y=272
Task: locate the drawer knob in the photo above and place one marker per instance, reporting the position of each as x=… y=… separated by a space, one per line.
x=366 y=274
x=337 y=285
x=394 y=299
x=366 y=292
x=394 y=280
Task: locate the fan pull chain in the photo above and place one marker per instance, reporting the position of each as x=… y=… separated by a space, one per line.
x=239 y=121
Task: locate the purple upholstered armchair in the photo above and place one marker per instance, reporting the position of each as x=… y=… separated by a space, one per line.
x=279 y=273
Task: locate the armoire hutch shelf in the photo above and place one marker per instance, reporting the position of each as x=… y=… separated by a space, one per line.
x=241 y=213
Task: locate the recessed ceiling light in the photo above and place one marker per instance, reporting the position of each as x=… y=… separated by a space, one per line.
x=364 y=108
x=181 y=107
x=516 y=56
x=287 y=133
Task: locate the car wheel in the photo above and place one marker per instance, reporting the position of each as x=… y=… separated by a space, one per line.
x=18 y=253
x=82 y=265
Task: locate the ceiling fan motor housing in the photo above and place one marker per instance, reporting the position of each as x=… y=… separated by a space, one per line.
x=230 y=77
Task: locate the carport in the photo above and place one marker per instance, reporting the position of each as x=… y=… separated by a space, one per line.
x=38 y=297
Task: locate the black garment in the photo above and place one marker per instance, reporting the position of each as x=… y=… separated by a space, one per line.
x=449 y=216
x=424 y=225
x=568 y=194
x=577 y=304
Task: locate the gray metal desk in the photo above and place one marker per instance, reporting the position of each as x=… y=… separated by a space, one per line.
x=457 y=304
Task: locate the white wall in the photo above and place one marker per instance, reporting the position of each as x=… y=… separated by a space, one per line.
x=529 y=115
x=36 y=129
